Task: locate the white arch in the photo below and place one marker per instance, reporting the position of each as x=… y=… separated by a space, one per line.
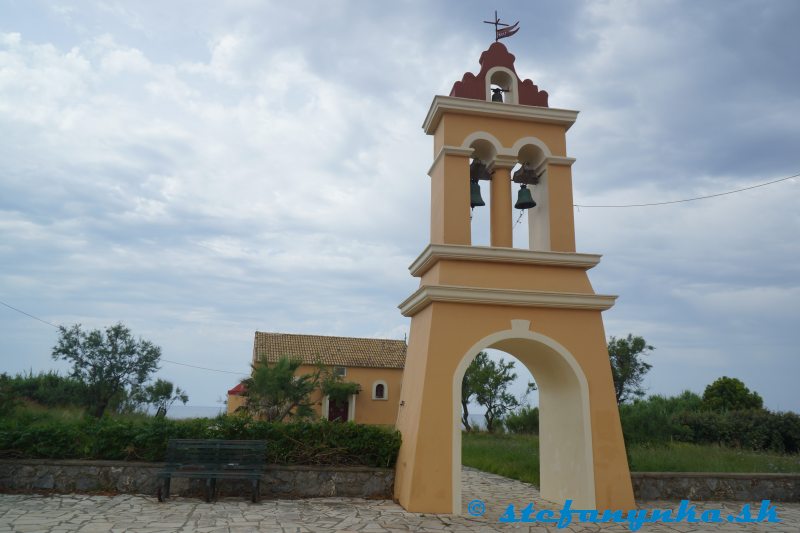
x=520 y=331
x=385 y=389
x=482 y=136
x=530 y=140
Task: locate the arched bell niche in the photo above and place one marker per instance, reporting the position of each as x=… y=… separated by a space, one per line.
x=484 y=151
x=505 y=80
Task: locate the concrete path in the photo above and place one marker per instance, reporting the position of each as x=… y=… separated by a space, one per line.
x=75 y=512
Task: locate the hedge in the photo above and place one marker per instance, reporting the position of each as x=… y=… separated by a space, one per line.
x=145 y=439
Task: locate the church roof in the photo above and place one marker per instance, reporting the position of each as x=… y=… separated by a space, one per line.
x=331 y=351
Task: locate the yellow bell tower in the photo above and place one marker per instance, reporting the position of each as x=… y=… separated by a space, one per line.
x=537 y=304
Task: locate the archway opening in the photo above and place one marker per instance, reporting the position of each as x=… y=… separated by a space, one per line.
x=565 y=451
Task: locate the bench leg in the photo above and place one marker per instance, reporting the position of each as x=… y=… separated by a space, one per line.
x=256 y=490
x=163 y=489
x=208 y=490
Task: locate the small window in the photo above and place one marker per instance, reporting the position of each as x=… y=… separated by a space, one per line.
x=340 y=371
x=380 y=391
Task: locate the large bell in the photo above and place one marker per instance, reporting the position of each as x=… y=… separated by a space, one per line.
x=497 y=95
x=524 y=198
x=478 y=171
x=475 y=199
x=525 y=174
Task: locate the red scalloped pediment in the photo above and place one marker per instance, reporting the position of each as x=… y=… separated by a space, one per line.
x=474 y=87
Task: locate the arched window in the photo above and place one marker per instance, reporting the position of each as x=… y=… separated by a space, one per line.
x=380 y=391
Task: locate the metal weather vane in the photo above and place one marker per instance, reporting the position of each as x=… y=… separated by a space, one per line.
x=501 y=33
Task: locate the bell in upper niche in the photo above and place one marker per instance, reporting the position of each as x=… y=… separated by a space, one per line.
x=524 y=198
x=475 y=199
x=497 y=95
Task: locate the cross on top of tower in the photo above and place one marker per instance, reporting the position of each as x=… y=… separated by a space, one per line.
x=501 y=33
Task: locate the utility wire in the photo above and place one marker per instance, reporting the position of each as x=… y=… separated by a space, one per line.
x=29 y=315
x=204 y=368
x=697 y=197
x=164 y=360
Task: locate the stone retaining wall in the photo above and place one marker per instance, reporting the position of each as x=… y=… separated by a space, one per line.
x=359 y=482
x=716 y=486
x=140 y=478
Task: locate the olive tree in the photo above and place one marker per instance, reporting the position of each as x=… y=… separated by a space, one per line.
x=108 y=362
x=628 y=367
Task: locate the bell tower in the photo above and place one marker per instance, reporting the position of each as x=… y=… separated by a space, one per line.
x=536 y=304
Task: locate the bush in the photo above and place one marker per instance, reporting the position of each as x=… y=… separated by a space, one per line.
x=752 y=429
x=653 y=421
x=524 y=421
x=48 y=389
x=145 y=438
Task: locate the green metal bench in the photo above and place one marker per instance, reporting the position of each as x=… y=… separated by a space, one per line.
x=211 y=460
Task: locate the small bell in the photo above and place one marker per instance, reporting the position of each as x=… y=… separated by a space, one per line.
x=497 y=95
x=475 y=199
x=524 y=198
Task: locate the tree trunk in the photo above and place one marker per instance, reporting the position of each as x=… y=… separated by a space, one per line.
x=100 y=408
x=465 y=416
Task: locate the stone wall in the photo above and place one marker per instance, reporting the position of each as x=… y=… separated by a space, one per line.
x=715 y=486
x=359 y=482
x=140 y=478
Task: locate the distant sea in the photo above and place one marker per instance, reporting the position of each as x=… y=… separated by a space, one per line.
x=195 y=411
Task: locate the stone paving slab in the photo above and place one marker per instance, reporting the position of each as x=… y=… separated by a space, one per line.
x=133 y=513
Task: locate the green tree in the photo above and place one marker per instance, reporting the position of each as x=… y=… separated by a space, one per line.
x=107 y=362
x=161 y=395
x=274 y=392
x=730 y=394
x=487 y=381
x=627 y=366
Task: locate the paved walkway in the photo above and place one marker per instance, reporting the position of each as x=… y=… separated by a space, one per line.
x=75 y=512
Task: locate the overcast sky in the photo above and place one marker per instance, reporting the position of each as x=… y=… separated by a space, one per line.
x=203 y=170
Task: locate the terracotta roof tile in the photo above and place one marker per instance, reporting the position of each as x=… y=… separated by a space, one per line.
x=331 y=351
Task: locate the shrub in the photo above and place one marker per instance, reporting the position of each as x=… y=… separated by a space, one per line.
x=525 y=421
x=145 y=438
x=752 y=429
x=653 y=420
x=48 y=389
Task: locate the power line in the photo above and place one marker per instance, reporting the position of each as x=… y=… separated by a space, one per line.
x=164 y=360
x=204 y=368
x=697 y=197
x=29 y=315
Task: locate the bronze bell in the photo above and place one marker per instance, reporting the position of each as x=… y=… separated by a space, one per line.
x=524 y=198
x=497 y=95
x=526 y=174
x=478 y=171
x=475 y=199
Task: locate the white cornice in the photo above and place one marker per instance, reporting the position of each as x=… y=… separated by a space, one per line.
x=468 y=106
x=434 y=253
x=449 y=150
x=427 y=294
x=560 y=160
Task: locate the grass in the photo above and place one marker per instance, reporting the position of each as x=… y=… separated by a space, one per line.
x=685 y=457
x=517 y=457
x=513 y=456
